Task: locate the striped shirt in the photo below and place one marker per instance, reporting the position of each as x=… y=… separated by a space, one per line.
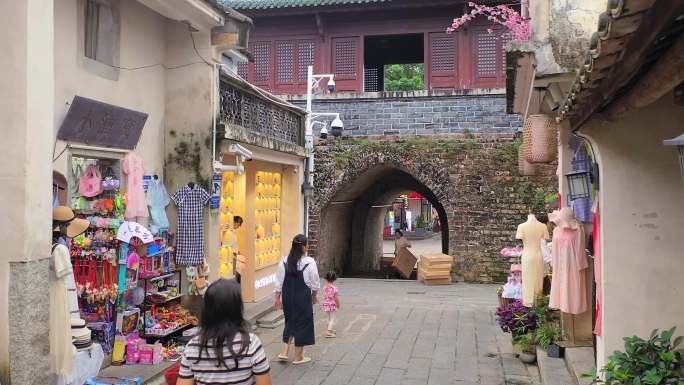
x=206 y=371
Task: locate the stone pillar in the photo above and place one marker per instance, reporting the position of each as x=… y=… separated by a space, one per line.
x=27 y=111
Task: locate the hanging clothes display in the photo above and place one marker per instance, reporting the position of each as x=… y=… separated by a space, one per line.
x=531 y=233
x=157 y=200
x=190 y=237
x=134 y=168
x=62 y=351
x=569 y=264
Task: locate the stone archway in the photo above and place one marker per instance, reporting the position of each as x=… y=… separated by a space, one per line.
x=472 y=181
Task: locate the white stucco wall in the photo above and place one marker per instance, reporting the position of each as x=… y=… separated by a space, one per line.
x=26 y=105
x=142 y=43
x=642 y=209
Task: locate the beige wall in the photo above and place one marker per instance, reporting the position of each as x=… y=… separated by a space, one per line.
x=26 y=101
x=642 y=209
x=142 y=43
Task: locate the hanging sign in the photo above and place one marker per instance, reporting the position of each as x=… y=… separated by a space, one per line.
x=215 y=200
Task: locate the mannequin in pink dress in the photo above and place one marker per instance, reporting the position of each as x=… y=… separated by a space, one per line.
x=532 y=232
x=569 y=263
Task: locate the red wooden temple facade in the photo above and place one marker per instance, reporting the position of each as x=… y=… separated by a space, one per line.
x=355 y=42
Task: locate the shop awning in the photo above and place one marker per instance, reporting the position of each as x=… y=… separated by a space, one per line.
x=100 y=124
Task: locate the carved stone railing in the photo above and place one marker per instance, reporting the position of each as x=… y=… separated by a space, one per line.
x=260 y=115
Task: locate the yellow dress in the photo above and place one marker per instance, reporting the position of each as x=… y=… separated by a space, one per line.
x=62 y=350
x=531 y=233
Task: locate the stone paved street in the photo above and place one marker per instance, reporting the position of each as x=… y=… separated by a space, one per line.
x=401 y=332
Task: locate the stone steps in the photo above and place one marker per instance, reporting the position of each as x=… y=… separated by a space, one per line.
x=579 y=361
x=553 y=371
x=271 y=320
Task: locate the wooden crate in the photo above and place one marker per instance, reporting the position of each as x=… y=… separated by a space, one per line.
x=435 y=269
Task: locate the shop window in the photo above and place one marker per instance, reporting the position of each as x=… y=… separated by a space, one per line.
x=394 y=63
x=101 y=31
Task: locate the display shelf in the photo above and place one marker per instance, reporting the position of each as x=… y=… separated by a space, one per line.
x=266 y=266
x=166 y=333
x=162 y=276
x=164 y=302
x=268 y=216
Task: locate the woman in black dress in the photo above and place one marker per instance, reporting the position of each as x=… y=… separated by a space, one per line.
x=296 y=288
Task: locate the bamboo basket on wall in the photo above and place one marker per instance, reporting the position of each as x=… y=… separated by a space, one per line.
x=525 y=168
x=542 y=139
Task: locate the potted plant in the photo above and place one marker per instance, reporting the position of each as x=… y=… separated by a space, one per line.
x=421 y=227
x=655 y=361
x=547 y=335
x=526 y=345
x=516 y=319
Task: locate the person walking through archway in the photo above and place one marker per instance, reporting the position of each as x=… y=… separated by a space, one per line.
x=400 y=242
x=297 y=285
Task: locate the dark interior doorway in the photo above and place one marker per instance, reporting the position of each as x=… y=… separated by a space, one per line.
x=383 y=50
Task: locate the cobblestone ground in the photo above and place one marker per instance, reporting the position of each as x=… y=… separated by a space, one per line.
x=401 y=332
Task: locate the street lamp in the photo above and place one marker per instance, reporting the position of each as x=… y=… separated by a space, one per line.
x=679 y=142
x=313 y=82
x=579 y=184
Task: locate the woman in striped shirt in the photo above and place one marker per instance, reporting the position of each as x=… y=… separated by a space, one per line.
x=224 y=352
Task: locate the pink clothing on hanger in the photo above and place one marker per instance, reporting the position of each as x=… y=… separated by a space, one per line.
x=597 y=268
x=134 y=168
x=569 y=261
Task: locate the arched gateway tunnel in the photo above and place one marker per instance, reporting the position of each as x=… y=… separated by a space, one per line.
x=353 y=221
x=469 y=183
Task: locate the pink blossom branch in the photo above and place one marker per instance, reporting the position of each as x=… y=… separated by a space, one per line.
x=500 y=14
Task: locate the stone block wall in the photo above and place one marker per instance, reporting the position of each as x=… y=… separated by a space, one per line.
x=473 y=178
x=423 y=115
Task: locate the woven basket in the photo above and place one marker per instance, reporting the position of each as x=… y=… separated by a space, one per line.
x=525 y=168
x=526 y=147
x=543 y=139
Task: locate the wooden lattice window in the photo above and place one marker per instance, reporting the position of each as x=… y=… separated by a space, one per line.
x=243 y=70
x=345 y=58
x=486 y=54
x=506 y=37
x=285 y=54
x=305 y=58
x=442 y=54
x=371 y=80
x=262 y=56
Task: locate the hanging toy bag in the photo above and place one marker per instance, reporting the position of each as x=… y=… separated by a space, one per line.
x=90 y=184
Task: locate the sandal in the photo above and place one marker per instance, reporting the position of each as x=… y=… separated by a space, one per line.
x=304 y=360
x=282 y=358
x=330 y=335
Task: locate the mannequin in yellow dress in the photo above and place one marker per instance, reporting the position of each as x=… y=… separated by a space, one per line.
x=531 y=232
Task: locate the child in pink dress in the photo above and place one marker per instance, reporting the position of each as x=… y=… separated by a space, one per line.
x=331 y=302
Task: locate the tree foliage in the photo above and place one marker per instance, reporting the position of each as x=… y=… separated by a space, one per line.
x=404 y=77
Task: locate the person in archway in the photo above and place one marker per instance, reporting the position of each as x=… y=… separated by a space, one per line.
x=400 y=242
x=296 y=288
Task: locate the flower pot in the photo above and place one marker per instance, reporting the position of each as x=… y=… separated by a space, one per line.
x=527 y=358
x=555 y=351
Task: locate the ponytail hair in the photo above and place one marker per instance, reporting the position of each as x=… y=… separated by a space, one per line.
x=296 y=252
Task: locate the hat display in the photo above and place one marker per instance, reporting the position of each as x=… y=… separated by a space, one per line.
x=65 y=215
x=554 y=216
x=80 y=334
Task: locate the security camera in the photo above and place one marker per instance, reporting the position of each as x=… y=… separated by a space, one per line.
x=324 y=132
x=331 y=85
x=218 y=166
x=240 y=150
x=337 y=127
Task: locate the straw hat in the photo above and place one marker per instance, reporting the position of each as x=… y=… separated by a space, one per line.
x=65 y=215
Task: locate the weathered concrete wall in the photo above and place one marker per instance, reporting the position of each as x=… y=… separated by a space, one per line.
x=473 y=179
x=642 y=222
x=561 y=30
x=424 y=114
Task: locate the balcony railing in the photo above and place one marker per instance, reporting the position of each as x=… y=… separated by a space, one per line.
x=258 y=114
